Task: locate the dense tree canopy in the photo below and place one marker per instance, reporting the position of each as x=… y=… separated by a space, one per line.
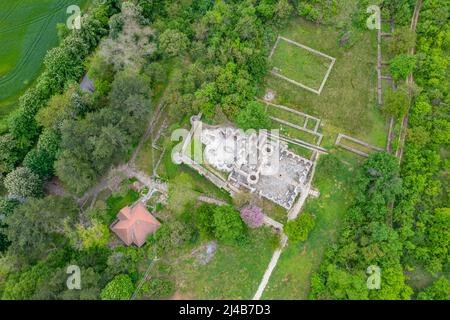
x=40 y=225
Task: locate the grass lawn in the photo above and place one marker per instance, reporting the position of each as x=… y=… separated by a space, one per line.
x=233 y=273
x=273 y=210
x=148 y=158
x=115 y=203
x=347 y=103
x=299 y=64
x=187 y=185
x=291 y=277
x=27 y=31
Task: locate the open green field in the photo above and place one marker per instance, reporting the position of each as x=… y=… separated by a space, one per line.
x=233 y=273
x=291 y=277
x=347 y=103
x=299 y=64
x=27 y=31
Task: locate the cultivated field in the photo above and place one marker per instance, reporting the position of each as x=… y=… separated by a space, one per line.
x=27 y=31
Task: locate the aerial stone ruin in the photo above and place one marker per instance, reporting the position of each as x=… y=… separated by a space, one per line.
x=257 y=163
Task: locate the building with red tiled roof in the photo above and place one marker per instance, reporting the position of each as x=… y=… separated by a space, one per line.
x=133 y=225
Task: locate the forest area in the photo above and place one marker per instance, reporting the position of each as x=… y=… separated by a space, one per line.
x=399 y=216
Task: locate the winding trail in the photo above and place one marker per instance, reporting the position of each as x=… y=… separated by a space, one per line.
x=129 y=169
x=292 y=214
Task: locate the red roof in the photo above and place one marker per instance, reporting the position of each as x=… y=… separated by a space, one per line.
x=135 y=224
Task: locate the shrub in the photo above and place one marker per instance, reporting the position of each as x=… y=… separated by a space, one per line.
x=308 y=12
x=253 y=116
x=95 y=235
x=252 y=216
x=204 y=219
x=158 y=288
x=40 y=162
x=173 y=42
x=401 y=66
x=23 y=183
x=119 y=288
x=395 y=104
x=229 y=227
x=298 y=230
x=171 y=235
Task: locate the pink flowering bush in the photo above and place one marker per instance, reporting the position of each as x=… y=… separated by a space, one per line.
x=252 y=216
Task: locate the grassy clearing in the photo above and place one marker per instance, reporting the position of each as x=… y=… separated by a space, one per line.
x=27 y=31
x=295 y=119
x=187 y=185
x=274 y=211
x=233 y=273
x=299 y=64
x=357 y=146
x=148 y=158
x=116 y=202
x=291 y=277
x=290 y=132
x=347 y=103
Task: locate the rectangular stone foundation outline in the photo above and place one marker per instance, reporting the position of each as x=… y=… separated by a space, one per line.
x=301 y=85
x=358 y=152
x=290 y=124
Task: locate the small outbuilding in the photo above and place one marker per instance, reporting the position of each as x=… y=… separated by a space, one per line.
x=135 y=224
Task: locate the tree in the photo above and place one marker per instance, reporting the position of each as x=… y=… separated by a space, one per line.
x=58 y=108
x=252 y=216
x=339 y=285
x=7 y=207
x=398 y=11
x=402 y=65
x=40 y=162
x=39 y=225
x=395 y=104
x=253 y=116
x=229 y=227
x=402 y=40
x=158 y=288
x=171 y=235
x=204 y=220
x=10 y=153
x=298 y=230
x=439 y=290
x=308 y=11
x=94 y=235
x=54 y=286
x=22 y=285
x=156 y=72
x=173 y=42
x=283 y=10
x=76 y=173
x=119 y=288
x=123 y=260
x=129 y=48
x=49 y=141
x=438 y=238
x=393 y=286
x=23 y=183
